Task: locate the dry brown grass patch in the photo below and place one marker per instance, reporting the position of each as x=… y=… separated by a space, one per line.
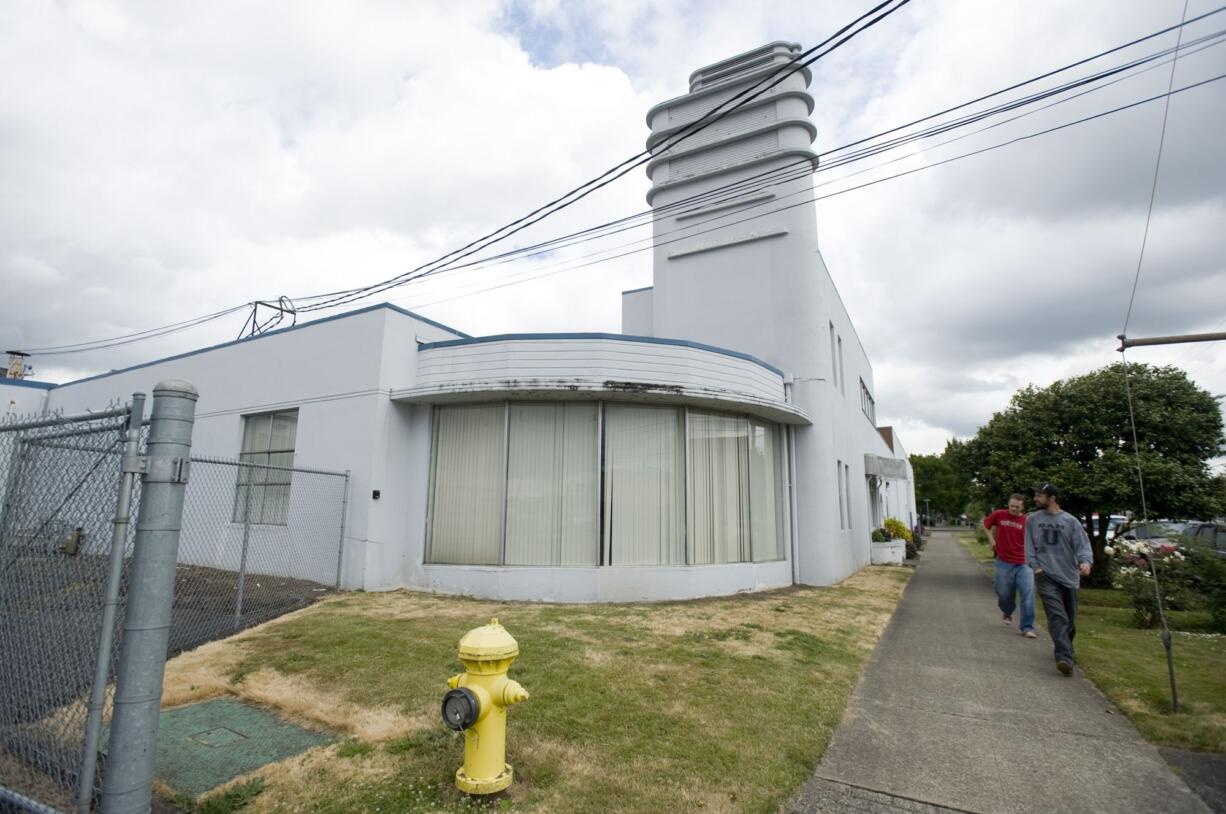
x=299 y=783
x=203 y=673
x=297 y=697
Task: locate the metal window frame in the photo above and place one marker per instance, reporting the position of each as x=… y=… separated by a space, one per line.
x=838 y=476
x=506 y=474
x=427 y=554
x=267 y=451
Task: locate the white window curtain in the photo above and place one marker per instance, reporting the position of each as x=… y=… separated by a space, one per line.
x=765 y=491
x=466 y=496
x=644 y=493
x=718 y=486
x=552 y=483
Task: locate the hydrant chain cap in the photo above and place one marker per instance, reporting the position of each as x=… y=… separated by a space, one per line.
x=488 y=643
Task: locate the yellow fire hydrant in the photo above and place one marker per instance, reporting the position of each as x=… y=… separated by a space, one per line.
x=477 y=705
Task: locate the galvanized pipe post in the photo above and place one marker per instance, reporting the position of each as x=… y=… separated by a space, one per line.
x=242 y=562
x=340 y=549
x=16 y=461
x=106 y=637
x=128 y=782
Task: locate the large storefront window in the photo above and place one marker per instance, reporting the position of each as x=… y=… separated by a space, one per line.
x=584 y=484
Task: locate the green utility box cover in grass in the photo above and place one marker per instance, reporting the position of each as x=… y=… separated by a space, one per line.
x=202 y=746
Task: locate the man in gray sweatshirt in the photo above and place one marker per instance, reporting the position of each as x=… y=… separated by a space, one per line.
x=1059 y=552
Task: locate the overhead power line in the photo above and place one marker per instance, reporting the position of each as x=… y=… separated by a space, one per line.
x=1009 y=142
x=833 y=158
x=806 y=58
x=743 y=191
x=719 y=112
x=138 y=336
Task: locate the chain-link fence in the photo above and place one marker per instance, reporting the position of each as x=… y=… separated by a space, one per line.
x=256 y=542
x=60 y=480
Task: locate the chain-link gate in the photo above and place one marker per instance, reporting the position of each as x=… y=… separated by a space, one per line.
x=60 y=479
x=256 y=541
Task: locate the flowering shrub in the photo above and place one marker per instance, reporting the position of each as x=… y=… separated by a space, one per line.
x=1131 y=573
x=897 y=529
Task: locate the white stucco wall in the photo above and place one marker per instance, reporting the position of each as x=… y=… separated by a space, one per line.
x=22 y=399
x=337 y=373
x=744 y=271
x=743 y=274
x=636 y=312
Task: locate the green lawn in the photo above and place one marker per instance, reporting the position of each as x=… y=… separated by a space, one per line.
x=715 y=705
x=1129 y=665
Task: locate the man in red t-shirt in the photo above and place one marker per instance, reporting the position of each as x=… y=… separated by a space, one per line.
x=1014 y=578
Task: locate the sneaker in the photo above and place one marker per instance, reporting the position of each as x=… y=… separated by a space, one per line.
x=1006 y=618
x=1065 y=667
x=1030 y=634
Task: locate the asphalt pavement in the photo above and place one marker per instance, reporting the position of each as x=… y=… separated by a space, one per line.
x=957 y=711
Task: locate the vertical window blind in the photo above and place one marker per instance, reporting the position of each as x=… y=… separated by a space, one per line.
x=644 y=491
x=552 y=478
x=838 y=475
x=766 y=490
x=718 y=486
x=847 y=492
x=570 y=484
x=466 y=495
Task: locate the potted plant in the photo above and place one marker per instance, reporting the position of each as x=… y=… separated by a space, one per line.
x=888 y=544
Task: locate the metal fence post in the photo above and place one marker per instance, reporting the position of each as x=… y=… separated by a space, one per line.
x=242 y=561
x=110 y=605
x=128 y=782
x=17 y=460
x=340 y=549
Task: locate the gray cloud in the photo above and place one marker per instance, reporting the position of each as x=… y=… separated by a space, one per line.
x=164 y=161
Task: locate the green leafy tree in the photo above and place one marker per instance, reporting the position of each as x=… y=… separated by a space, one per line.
x=939 y=485
x=1076 y=434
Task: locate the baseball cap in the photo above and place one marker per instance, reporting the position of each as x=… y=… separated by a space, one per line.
x=1047 y=489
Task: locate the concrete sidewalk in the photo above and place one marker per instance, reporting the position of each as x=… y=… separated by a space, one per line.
x=958 y=712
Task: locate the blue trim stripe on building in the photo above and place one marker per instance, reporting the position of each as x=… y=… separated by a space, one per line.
x=637 y=290
x=652 y=340
x=27 y=383
x=278 y=332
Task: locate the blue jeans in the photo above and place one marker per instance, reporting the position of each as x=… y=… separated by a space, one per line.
x=1013 y=581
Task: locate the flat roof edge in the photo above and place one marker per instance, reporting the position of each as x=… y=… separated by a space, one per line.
x=174 y=358
x=28 y=383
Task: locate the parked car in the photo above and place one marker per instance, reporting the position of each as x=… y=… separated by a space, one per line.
x=1154 y=533
x=1206 y=534
x=1113 y=523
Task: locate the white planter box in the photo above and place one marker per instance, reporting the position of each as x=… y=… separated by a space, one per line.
x=891 y=553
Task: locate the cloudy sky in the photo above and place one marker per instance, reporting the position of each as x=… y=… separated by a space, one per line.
x=162 y=161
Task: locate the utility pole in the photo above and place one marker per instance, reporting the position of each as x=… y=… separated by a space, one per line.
x=1178 y=339
x=1126 y=343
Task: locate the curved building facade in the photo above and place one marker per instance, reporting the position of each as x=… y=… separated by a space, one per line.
x=725 y=441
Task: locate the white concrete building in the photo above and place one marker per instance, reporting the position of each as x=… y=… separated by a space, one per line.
x=725 y=441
